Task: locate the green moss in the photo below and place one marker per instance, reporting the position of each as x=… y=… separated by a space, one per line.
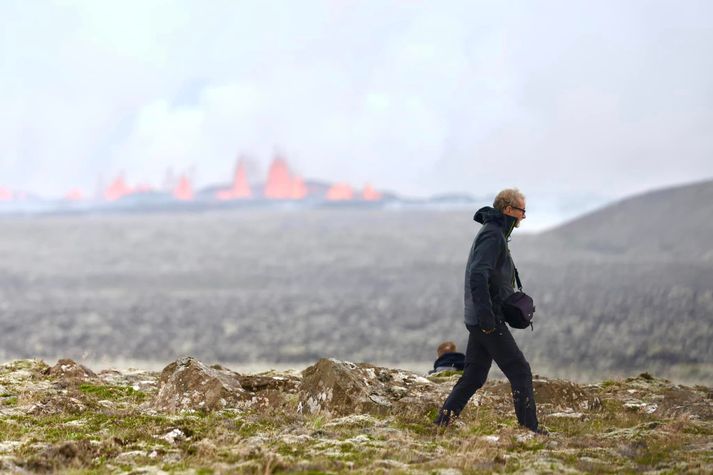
x=657 y=450
x=347 y=447
x=697 y=428
x=317 y=422
x=484 y=421
x=10 y=401
x=419 y=428
x=22 y=365
x=290 y=450
x=610 y=440
x=530 y=445
x=568 y=458
x=112 y=393
x=10 y=429
x=247 y=429
x=129 y=428
x=444 y=375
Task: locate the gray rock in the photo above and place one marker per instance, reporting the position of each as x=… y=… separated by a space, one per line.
x=189 y=384
x=341 y=388
x=68 y=369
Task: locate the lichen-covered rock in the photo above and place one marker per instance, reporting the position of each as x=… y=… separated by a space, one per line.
x=644 y=424
x=189 y=384
x=68 y=369
x=678 y=401
x=661 y=397
x=341 y=388
x=258 y=383
x=62 y=456
x=338 y=387
x=139 y=380
x=562 y=395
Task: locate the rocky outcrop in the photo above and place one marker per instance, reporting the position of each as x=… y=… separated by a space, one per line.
x=341 y=388
x=660 y=397
x=189 y=384
x=338 y=417
x=269 y=391
x=68 y=369
x=560 y=395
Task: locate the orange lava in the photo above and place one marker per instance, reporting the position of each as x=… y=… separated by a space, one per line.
x=281 y=184
x=240 y=188
x=117 y=189
x=299 y=189
x=340 y=192
x=183 y=190
x=279 y=181
x=370 y=194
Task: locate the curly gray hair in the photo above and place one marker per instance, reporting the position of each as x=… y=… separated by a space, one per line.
x=508 y=197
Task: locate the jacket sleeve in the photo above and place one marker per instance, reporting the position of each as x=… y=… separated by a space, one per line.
x=485 y=259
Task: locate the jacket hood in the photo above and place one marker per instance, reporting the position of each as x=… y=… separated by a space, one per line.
x=488 y=214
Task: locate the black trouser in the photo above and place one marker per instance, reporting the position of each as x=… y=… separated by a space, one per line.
x=482 y=350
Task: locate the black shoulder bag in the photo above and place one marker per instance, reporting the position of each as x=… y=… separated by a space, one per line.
x=519 y=309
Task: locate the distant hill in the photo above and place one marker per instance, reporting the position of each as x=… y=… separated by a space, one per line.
x=625 y=286
x=672 y=223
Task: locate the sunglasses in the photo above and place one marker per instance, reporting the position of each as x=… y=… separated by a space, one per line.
x=519 y=209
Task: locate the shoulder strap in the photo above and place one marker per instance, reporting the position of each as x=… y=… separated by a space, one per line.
x=517 y=274
x=517 y=277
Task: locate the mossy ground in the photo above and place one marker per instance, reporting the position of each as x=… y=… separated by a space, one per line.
x=112 y=428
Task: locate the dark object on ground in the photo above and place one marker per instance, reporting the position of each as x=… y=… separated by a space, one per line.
x=445 y=418
x=449 y=361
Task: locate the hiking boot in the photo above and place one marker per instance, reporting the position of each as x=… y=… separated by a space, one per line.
x=541 y=431
x=445 y=418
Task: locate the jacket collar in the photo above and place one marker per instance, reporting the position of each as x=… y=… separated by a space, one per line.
x=488 y=214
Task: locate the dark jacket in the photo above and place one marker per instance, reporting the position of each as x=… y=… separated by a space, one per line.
x=452 y=360
x=490 y=272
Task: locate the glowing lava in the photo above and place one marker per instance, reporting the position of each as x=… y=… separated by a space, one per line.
x=279 y=181
x=183 y=190
x=299 y=189
x=340 y=192
x=281 y=184
x=370 y=194
x=117 y=189
x=240 y=188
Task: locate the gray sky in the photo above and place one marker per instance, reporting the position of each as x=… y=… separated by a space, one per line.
x=567 y=97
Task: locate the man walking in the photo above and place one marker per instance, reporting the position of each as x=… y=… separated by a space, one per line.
x=489 y=280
